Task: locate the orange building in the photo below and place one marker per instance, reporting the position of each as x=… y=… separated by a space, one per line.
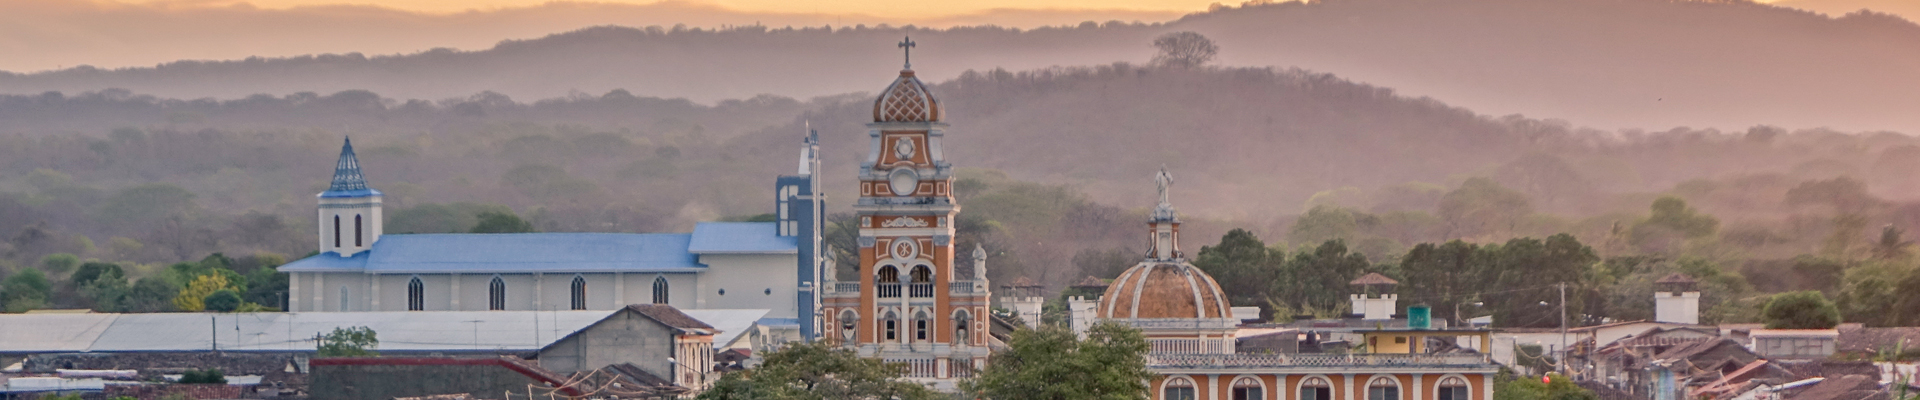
x=1191 y=330
x=910 y=305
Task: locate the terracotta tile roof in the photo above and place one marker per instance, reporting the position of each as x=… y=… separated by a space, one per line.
x=1374 y=278
x=1873 y=340
x=672 y=317
x=1849 y=387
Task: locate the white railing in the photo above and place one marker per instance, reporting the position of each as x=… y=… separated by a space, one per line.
x=1187 y=346
x=1314 y=360
x=920 y=290
x=888 y=290
x=846 y=287
x=963 y=287
x=960 y=368
x=918 y=367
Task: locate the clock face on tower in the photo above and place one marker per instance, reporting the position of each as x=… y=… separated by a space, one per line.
x=902 y=181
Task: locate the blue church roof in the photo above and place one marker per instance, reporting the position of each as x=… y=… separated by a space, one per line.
x=513 y=252
x=553 y=252
x=347 y=181
x=741 y=238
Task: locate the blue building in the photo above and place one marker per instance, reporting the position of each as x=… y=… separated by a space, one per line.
x=720 y=265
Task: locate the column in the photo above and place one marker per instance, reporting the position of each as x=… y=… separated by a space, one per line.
x=1417 y=389
x=1348 y=379
x=453 y=303
x=538 y=284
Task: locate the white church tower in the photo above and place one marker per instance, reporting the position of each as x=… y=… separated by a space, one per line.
x=349 y=210
x=1676 y=300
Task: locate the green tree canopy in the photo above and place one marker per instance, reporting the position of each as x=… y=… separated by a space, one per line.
x=59 y=263
x=501 y=222
x=150 y=294
x=223 y=300
x=357 y=341
x=818 y=371
x=1052 y=363
x=25 y=290
x=1480 y=207
x=1242 y=264
x=93 y=270
x=1800 y=310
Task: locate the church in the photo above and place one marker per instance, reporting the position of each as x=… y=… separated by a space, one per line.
x=720 y=265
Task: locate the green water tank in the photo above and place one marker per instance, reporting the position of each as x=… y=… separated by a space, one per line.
x=1420 y=317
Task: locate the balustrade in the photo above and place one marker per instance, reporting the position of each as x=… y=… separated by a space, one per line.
x=888 y=290
x=1314 y=360
x=963 y=287
x=920 y=289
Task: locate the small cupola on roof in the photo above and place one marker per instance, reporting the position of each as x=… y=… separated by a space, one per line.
x=350 y=217
x=907 y=99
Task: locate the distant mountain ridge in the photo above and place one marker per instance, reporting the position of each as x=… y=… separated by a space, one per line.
x=1605 y=63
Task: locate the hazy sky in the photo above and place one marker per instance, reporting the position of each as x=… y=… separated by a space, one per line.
x=892 y=8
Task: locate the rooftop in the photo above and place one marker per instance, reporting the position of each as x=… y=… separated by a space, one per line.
x=1379 y=362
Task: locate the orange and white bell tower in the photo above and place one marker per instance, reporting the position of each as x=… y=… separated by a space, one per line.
x=910 y=304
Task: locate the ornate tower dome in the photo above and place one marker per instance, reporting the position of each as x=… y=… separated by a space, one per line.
x=1156 y=289
x=907 y=99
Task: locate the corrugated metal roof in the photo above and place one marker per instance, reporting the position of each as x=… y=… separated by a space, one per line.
x=397 y=330
x=741 y=238
x=514 y=252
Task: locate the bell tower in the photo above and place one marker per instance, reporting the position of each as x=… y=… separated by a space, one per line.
x=911 y=303
x=350 y=220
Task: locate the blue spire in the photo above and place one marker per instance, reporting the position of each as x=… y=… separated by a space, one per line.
x=347 y=181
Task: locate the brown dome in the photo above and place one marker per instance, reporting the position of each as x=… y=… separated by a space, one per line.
x=906 y=100
x=1164 y=290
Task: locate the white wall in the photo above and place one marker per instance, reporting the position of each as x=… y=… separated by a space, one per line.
x=751 y=281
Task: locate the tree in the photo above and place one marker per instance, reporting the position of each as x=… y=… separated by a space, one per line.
x=1890 y=246
x=1315 y=280
x=203 y=376
x=1240 y=263
x=93 y=271
x=1449 y=275
x=1480 y=207
x=1559 y=388
x=150 y=294
x=1053 y=363
x=223 y=300
x=25 y=290
x=818 y=371
x=357 y=341
x=194 y=296
x=1800 y=310
x=1185 y=49
x=59 y=263
x=501 y=222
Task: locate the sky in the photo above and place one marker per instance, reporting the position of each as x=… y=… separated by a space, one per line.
x=890 y=8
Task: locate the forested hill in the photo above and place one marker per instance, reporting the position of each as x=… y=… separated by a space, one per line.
x=1605 y=63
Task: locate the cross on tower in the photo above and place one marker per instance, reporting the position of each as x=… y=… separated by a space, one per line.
x=907 y=46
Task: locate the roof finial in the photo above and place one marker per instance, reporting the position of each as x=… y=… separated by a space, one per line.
x=907 y=46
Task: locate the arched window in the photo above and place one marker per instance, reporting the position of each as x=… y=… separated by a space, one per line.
x=920 y=326
x=891 y=326
x=416 y=295
x=887 y=283
x=357 y=235
x=962 y=324
x=660 y=290
x=849 y=325
x=1247 y=388
x=1454 y=388
x=336 y=231
x=1177 y=389
x=1383 y=388
x=497 y=294
x=922 y=274
x=579 y=292
x=1316 y=388
x=888 y=274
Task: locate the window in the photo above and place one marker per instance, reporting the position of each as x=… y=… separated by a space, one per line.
x=1178 y=389
x=497 y=294
x=1383 y=388
x=920 y=324
x=922 y=274
x=889 y=275
x=892 y=326
x=346 y=303
x=961 y=321
x=660 y=290
x=336 y=231
x=1248 y=389
x=1316 y=389
x=579 y=292
x=416 y=295
x=1454 y=388
x=357 y=242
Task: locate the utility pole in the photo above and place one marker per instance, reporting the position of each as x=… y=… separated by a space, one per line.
x=1563 y=328
x=213 y=329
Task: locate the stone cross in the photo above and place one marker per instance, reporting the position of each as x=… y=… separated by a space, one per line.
x=907 y=46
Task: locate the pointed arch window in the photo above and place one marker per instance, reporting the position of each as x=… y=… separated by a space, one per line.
x=358 y=233
x=1316 y=388
x=660 y=290
x=497 y=294
x=579 y=292
x=1383 y=388
x=1178 y=388
x=416 y=295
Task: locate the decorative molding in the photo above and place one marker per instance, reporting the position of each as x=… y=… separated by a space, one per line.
x=867 y=241
x=904 y=222
x=942 y=240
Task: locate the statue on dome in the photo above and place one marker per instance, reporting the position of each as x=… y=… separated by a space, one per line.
x=1165 y=180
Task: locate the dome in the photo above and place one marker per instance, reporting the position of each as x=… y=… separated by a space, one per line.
x=1164 y=290
x=906 y=100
